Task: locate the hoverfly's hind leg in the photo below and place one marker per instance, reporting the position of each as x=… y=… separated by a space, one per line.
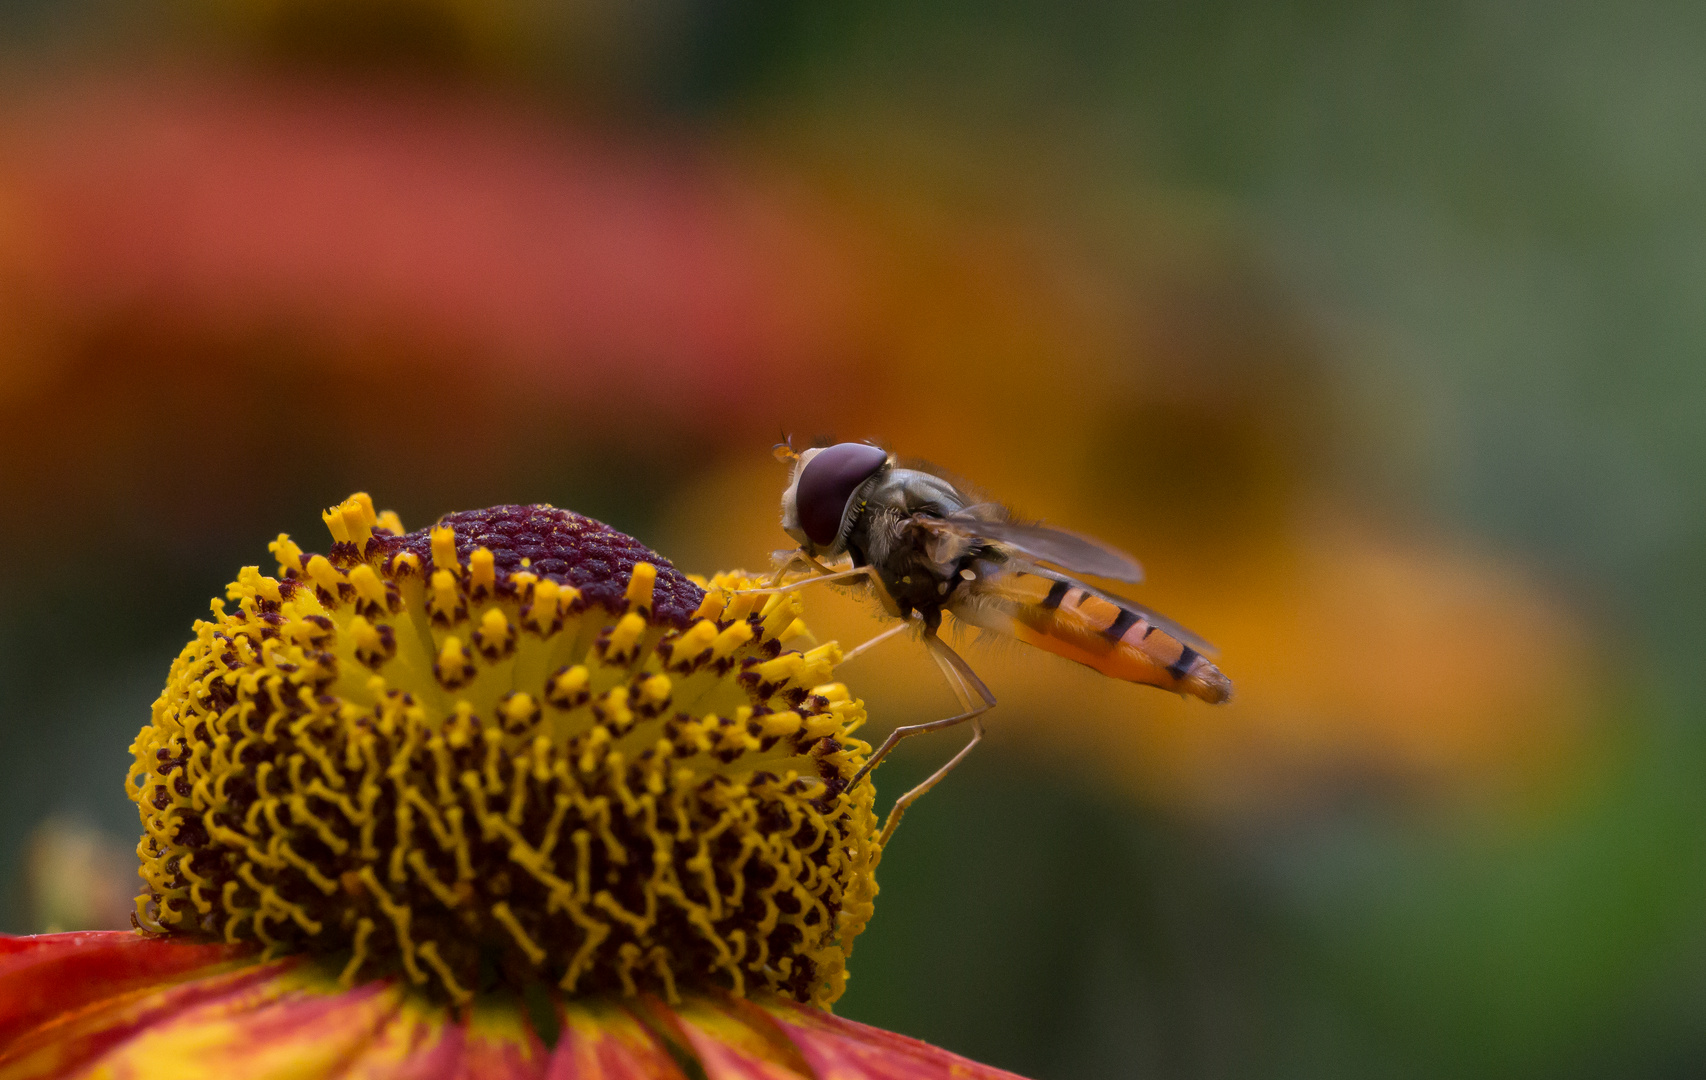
x=966 y=686
x=900 y=804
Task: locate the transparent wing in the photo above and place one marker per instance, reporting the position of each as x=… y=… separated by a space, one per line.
x=1071 y=552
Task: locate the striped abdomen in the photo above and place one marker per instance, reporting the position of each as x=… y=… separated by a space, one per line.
x=1117 y=640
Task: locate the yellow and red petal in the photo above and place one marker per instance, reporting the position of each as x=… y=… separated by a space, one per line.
x=725 y=1041
x=423 y=1041
x=52 y=975
x=129 y=1007
x=282 y=1026
x=69 y=1041
x=839 y=1049
x=603 y=1041
x=739 y=1039
x=124 y=1005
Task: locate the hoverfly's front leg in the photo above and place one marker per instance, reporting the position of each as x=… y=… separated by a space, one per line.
x=799 y=560
x=965 y=685
x=796 y=560
x=825 y=574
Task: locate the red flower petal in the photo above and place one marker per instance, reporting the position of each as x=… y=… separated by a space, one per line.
x=76 y=1038
x=283 y=1026
x=125 y=1006
x=838 y=1049
x=45 y=976
x=128 y=1006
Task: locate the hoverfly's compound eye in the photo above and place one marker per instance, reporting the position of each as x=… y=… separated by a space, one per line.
x=827 y=483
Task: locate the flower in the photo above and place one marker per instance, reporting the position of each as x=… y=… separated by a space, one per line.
x=511 y=796
x=115 y=1004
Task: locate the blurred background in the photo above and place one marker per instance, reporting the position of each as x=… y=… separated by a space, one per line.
x=1374 y=330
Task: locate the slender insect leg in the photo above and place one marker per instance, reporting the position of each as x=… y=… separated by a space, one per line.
x=836 y=575
x=826 y=574
x=961 y=677
x=905 y=801
x=957 y=670
x=873 y=642
x=796 y=560
x=943 y=653
x=813 y=562
x=900 y=804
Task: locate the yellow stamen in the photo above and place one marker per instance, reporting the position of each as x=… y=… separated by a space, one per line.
x=288 y=554
x=607 y=788
x=640 y=587
x=325 y=575
x=482 y=573
x=334 y=520
x=367 y=584
x=444 y=550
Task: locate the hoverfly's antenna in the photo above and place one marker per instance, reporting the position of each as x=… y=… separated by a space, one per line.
x=785 y=451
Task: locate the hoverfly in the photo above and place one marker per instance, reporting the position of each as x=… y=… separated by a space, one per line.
x=928 y=546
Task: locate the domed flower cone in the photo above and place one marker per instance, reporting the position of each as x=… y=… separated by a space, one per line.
x=509 y=797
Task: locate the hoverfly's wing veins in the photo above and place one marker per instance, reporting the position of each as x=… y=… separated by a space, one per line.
x=1108 y=633
x=1071 y=552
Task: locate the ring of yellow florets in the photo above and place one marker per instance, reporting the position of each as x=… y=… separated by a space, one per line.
x=440 y=751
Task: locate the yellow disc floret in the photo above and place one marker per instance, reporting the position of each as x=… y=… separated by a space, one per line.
x=518 y=745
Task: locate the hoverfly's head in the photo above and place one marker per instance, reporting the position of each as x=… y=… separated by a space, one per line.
x=821 y=501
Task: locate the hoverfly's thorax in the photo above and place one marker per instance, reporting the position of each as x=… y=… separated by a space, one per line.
x=821 y=503
x=886 y=535
x=914 y=491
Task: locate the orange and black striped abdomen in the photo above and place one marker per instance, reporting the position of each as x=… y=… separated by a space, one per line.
x=1119 y=641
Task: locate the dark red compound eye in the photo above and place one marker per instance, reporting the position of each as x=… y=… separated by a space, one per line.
x=828 y=482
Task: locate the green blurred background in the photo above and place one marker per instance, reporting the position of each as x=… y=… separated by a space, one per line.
x=1375 y=330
